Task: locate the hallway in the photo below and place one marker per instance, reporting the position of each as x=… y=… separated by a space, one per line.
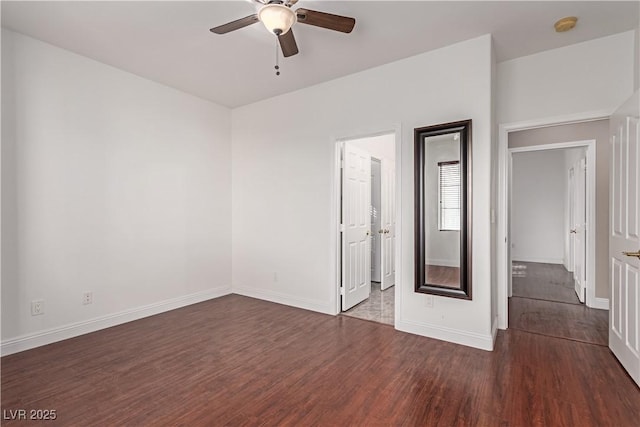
x=545 y=303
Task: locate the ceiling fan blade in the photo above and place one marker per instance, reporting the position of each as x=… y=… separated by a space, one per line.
x=235 y=25
x=343 y=24
x=288 y=44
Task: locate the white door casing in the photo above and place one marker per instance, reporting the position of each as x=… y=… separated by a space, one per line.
x=388 y=229
x=508 y=236
x=580 y=229
x=356 y=226
x=571 y=221
x=624 y=238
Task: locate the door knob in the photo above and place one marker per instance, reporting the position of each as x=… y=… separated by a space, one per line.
x=572 y=231
x=386 y=231
x=635 y=254
x=380 y=231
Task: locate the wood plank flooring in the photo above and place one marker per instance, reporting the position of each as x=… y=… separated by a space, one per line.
x=238 y=361
x=544 y=302
x=575 y=322
x=551 y=282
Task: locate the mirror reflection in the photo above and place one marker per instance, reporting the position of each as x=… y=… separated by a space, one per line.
x=442 y=210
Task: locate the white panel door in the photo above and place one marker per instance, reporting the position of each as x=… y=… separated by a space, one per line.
x=388 y=220
x=580 y=229
x=624 y=241
x=376 y=222
x=356 y=226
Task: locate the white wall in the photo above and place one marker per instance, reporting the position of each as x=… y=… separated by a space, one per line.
x=636 y=67
x=494 y=195
x=284 y=183
x=538 y=206
x=111 y=184
x=597 y=75
x=442 y=246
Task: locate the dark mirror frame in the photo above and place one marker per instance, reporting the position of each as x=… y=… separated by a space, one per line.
x=464 y=127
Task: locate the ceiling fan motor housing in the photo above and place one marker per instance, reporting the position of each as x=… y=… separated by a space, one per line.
x=277 y=18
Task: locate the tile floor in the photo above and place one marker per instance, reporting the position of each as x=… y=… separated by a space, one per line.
x=379 y=307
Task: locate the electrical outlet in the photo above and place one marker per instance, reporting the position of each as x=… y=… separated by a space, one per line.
x=428 y=302
x=37 y=307
x=87 y=298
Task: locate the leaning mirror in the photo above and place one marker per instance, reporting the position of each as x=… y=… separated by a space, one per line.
x=443 y=209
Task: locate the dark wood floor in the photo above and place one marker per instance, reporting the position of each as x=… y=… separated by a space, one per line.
x=575 y=322
x=243 y=362
x=550 y=282
x=544 y=302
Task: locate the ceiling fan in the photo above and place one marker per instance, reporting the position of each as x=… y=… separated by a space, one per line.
x=278 y=17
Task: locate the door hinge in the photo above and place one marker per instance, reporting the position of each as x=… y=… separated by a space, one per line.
x=341 y=290
x=341 y=164
x=341 y=228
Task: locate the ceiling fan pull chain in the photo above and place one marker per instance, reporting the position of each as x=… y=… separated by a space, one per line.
x=277 y=67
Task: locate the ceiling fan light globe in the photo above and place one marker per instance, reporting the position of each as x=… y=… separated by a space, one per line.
x=277 y=18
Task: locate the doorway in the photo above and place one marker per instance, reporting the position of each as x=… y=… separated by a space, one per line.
x=552 y=211
x=367 y=236
x=548 y=221
x=554 y=134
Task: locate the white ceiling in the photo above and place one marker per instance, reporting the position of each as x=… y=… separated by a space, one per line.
x=169 y=41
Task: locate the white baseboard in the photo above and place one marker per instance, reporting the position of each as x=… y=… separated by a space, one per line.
x=443 y=262
x=29 y=341
x=456 y=336
x=307 y=304
x=540 y=260
x=600 y=303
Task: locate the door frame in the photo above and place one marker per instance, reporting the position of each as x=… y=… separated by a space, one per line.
x=590 y=193
x=503 y=242
x=571 y=188
x=337 y=143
